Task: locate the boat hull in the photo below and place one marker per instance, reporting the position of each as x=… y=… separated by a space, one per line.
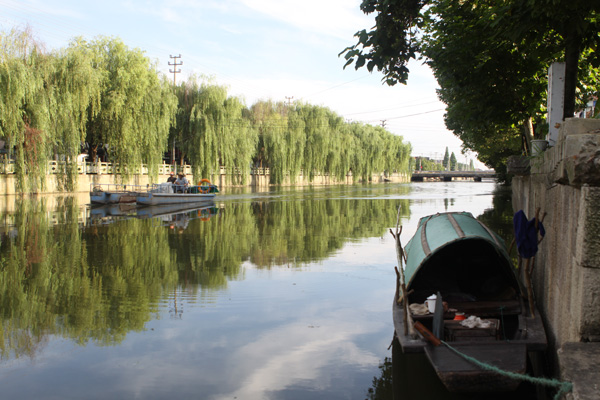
x=112 y=197
x=154 y=199
x=113 y=193
x=459 y=375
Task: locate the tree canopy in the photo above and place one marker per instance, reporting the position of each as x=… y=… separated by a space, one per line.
x=490 y=59
x=109 y=98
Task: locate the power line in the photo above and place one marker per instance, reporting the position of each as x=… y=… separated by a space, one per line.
x=393 y=108
x=410 y=115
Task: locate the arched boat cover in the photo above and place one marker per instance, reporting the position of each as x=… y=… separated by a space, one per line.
x=440 y=230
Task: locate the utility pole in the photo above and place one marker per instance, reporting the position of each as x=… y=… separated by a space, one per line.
x=174 y=71
x=175 y=64
x=383 y=121
x=289 y=100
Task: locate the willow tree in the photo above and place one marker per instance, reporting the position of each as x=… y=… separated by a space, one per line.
x=136 y=107
x=75 y=97
x=24 y=113
x=296 y=140
x=281 y=138
x=238 y=140
x=396 y=153
x=206 y=121
x=316 y=129
x=334 y=166
x=316 y=139
x=211 y=130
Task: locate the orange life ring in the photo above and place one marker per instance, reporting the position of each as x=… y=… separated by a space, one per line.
x=204 y=189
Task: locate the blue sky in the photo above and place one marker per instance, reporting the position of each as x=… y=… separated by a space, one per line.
x=259 y=49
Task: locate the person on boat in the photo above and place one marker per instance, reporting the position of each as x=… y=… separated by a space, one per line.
x=181 y=183
x=171 y=178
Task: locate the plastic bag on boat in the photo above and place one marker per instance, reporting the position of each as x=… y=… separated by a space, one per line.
x=163 y=188
x=476 y=322
x=418 y=309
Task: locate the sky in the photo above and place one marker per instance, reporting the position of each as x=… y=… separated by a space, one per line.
x=280 y=50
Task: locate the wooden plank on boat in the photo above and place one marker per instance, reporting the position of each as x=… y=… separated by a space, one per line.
x=460 y=375
x=488 y=308
x=535 y=337
x=127 y=198
x=407 y=343
x=456 y=332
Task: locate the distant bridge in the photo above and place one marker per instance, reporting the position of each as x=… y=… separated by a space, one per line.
x=447 y=176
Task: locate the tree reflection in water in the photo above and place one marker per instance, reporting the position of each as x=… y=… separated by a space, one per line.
x=89 y=282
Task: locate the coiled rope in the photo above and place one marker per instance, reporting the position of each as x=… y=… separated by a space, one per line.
x=562 y=386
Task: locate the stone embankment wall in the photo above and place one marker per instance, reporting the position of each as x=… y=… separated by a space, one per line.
x=564 y=182
x=84 y=181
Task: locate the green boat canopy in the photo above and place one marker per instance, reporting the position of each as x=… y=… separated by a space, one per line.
x=456 y=253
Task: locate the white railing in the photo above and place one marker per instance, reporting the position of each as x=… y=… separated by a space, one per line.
x=105 y=168
x=7 y=166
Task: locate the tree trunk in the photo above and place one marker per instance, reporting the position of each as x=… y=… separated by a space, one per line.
x=572 y=52
x=527 y=134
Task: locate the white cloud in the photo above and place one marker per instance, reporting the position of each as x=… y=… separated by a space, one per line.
x=336 y=18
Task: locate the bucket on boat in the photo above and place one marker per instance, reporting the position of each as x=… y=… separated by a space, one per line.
x=459 y=316
x=430 y=303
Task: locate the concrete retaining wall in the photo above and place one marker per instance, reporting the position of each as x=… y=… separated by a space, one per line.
x=7 y=181
x=564 y=182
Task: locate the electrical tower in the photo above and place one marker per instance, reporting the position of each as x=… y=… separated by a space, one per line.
x=289 y=100
x=175 y=71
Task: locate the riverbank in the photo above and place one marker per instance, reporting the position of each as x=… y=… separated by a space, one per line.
x=564 y=183
x=259 y=177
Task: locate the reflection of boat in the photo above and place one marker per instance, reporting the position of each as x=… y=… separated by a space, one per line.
x=166 y=193
x=455 y=255
x=178 y=216
x=113 y=210
x=168 y=209
x=110 y=193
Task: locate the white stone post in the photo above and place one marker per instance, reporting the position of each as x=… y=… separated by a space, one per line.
x=556 y=100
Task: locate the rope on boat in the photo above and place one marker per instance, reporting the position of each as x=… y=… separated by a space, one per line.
x=562 y=386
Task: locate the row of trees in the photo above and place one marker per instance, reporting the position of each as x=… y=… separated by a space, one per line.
x=449 y=163
x=109 y=96
x=490 y=59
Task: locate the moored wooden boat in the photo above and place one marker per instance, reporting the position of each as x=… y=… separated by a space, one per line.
x=166 y=193
x=467 y=265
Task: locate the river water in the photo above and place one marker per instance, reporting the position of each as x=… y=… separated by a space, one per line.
x=278 y=294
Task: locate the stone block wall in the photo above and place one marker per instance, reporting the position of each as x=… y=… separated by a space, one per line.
x=564 y=182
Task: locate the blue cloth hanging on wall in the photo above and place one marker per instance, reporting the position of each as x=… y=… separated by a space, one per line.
x=526 y=234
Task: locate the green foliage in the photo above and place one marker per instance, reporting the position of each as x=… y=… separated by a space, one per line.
x=211 y=130
x=425 y=164
x=453 y=163
x=76 y=96
x=100 y=92
x=446 y=161
x=392 y=43
x=315 y=140
x=490 y=59
x=24 y=106
x=136 y=107
x=107 y=95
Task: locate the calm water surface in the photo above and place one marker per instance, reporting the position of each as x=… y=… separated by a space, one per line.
x=280 y=294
